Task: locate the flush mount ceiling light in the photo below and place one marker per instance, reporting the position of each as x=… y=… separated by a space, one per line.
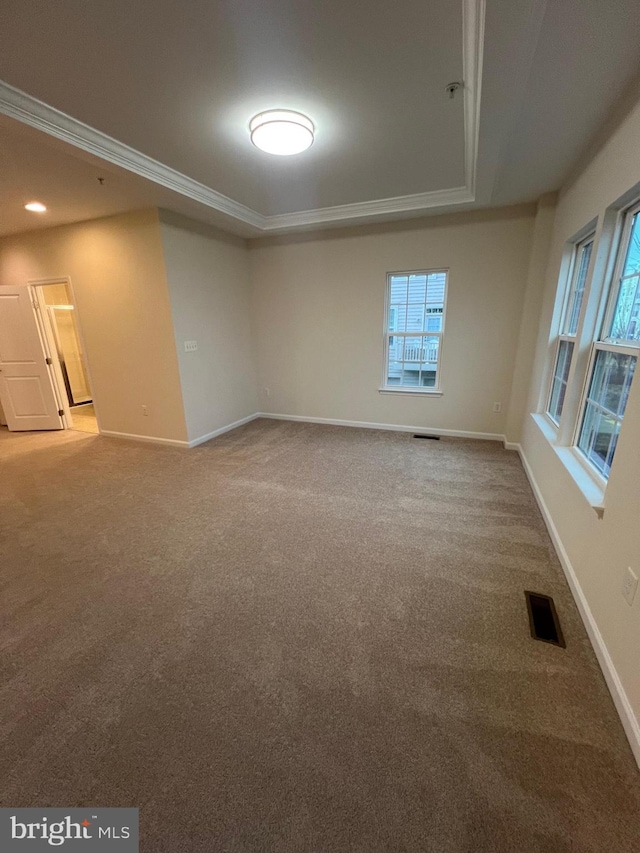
x=35 y=207
x=281 y=132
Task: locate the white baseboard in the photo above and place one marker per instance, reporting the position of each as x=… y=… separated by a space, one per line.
x=454 y=433
x=201 y=440
x=174 y=442
x=512 y=445
x=618 y=694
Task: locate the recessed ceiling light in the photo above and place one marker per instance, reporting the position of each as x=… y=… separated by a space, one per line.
x=35 y=206
x=281 y=132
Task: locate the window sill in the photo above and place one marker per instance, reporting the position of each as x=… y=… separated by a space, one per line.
x=592 y=491
x=426 y=392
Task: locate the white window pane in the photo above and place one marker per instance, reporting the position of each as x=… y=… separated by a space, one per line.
x=394 y=373
x=428 y=378
x=415 y=317
x=398 y=288
x=577 y=289
x=411 y=376
x=396 y=347
x=626 y=317
x=430 y=348
x=604 y=410
x=401 y=317
x=632 y=260
x=597 y=438
x=417 y=288
x=625 y=325
x=412 y=349
x=436 y=283
x=560 y=377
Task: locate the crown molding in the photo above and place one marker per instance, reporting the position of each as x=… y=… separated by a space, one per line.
x=30 y=111
x=473 y=16
x=35 y=113
x=368 y=209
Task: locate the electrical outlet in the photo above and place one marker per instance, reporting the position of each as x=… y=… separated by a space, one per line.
x=145 y=412
x=266 y=392
x=190 y=346
x=629 y=585
x=497 y=408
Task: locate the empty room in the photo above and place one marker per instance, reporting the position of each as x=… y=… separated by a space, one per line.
x=319 y=433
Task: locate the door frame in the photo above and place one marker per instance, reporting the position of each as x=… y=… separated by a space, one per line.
x=48 y=341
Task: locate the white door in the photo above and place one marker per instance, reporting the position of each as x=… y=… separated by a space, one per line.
x=26 y=385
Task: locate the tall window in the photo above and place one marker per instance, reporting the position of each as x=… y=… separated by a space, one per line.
x=614 y=355
x=571 y=315
x=415 y=325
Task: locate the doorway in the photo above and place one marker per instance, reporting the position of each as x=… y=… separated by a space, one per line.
x=45 y=382
x=60 y=322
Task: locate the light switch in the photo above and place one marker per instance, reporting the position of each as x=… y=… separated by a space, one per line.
x=190 y=346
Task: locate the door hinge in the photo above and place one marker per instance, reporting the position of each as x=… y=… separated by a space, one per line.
x=61 y=412
x=35 y=305
x=48 y=360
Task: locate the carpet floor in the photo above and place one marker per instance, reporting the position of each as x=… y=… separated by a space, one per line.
x=299 y=638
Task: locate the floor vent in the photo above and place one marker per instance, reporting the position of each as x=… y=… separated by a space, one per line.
x=543 y=619
x=432 y=437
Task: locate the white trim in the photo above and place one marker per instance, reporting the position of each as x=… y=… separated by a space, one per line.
x=174 y=442
x=620 y=699
x=363 y=210
x=178 y=443
x=584 y=475
x=216 y=432
x=622 y=250
x=407 y=389
x=29 y=110
x=453 y=433
x=33 y=112
x=473 y=16
x=37 y=284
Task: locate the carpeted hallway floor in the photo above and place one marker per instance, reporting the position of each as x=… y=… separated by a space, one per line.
x=84 y=418
x=299 y=638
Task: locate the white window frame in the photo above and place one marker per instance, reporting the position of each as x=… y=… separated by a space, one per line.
x=598 y=346
x=435 y=390
x=570 y=289
x=601 y=341
x=616 y=279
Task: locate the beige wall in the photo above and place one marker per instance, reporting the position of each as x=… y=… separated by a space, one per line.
x=531 y=307
x=208 y=277
x=318 y=305
x=599 y=550
x=117 y=272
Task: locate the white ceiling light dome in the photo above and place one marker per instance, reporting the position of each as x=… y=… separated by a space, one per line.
x=281 y=132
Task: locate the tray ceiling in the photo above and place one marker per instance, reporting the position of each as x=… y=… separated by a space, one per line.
x=165 y=92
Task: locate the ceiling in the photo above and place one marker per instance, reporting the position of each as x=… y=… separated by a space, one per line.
x=37 y=167
x=159 y=95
